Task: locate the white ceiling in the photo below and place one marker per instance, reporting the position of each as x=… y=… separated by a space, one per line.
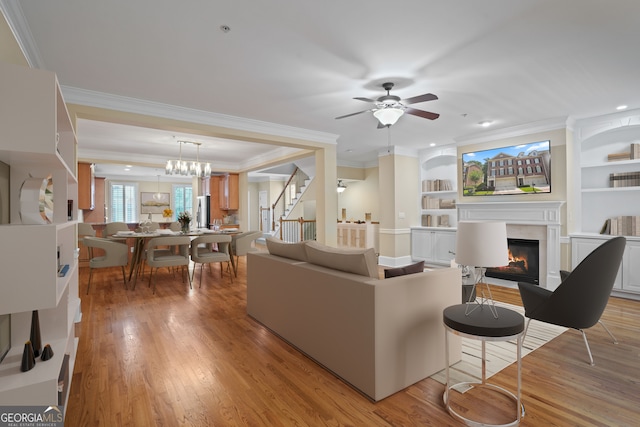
x=300 y=63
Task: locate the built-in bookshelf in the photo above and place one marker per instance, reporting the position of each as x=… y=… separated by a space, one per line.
x=606 y=150
x=40 y=270
x=438 y=184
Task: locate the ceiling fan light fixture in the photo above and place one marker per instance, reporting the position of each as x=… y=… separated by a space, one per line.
x=388 y=116
x=341 y=186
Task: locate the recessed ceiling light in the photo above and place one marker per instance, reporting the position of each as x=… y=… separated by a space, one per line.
x=433 y=144
x=485 y=123
x=621 y=107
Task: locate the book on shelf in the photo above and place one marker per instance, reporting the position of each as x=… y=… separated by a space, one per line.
x=624 y=179
x=436 y=185
x=435 y=220
x=624 y=225
x=615 y=157
x=62 y=271
x=436 y=203
x=634 y=152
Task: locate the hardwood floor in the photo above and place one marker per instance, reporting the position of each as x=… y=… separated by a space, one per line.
x=187 y=357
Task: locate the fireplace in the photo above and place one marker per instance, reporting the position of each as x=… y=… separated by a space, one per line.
x=524 y=262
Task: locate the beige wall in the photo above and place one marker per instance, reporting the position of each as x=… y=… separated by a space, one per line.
x=361 y=196
x=9 y=49
x=399 y=178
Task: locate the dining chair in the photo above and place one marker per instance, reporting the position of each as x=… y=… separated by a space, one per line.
x=157 y=255
x=115 y=255
x=203 y=252
x=112 y=228
x=85 y=230
x=242 y=244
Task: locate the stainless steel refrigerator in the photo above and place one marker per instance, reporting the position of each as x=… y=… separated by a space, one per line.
x=202 y=212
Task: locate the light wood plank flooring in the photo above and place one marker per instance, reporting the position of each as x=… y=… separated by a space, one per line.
x=187 y=357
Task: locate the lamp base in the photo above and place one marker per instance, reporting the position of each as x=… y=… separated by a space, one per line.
x=484 y=299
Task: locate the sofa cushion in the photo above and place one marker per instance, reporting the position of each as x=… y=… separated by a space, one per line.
x=286 y=250
x=357 y=261
x=418 y=267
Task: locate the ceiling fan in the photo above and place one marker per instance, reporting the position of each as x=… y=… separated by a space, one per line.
x=388 y=108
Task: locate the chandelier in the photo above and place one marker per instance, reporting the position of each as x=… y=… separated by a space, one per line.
x=183 y=167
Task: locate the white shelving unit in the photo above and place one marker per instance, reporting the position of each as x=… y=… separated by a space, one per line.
x=597 y=201
x=38 y=142
x=435 y=244
x=439 y=166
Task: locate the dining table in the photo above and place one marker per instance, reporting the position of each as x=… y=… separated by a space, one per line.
x=142 y=237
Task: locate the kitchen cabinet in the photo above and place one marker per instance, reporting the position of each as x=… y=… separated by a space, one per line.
x=86 y=186
x=229 y=189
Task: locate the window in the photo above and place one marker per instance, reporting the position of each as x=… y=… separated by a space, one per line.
x=124 y=202
x=182 y=200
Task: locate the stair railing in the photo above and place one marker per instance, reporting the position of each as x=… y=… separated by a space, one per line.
x=287 y=195
x=297 y=230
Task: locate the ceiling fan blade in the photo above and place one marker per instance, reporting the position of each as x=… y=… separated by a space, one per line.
x=352 y=114
x=420 y=113
x=420 y=98
x=365 y=99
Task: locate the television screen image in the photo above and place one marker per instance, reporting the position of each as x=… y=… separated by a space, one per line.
x=517 y=169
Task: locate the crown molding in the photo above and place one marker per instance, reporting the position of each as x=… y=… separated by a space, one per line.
x=96 y=99
x=515 y=131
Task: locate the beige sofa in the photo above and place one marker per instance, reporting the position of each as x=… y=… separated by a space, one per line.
x=378 y=335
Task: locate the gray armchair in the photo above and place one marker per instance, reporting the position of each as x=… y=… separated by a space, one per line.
x=116 y=255
x=579 y=301
x=203 y=252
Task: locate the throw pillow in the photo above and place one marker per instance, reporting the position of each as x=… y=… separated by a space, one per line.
x=286 y=250
x=418 y=267
x=357 y=261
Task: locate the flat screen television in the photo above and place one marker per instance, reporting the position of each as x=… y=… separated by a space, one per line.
x=516 y=169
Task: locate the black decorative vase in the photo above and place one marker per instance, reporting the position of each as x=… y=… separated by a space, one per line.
x=47 y=352
x=36 y=340
x=28 y=359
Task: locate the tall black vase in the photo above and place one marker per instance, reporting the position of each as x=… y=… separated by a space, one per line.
x=28 y=359
x=36 y=340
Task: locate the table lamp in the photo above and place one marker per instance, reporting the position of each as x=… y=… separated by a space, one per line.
x=482 y=244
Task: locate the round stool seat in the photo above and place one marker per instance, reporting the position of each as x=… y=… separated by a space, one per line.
x=482 y=323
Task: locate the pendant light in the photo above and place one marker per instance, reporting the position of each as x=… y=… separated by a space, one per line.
x=158 y=196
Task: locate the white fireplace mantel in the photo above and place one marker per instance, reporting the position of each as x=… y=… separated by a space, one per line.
x=520 y=215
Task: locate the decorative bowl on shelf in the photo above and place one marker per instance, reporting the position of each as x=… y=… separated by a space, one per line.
x=36 y=201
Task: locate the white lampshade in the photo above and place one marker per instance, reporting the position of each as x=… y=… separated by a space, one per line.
x=388 y=116
x=482 y=244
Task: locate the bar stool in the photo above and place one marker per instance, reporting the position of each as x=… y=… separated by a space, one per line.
x=481 y=324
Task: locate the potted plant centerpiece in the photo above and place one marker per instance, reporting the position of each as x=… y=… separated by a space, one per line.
x=185 y=219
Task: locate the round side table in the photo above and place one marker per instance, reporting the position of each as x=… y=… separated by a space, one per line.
x=482 y=325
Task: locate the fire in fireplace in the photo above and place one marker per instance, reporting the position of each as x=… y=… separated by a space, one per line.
x=524 y=262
